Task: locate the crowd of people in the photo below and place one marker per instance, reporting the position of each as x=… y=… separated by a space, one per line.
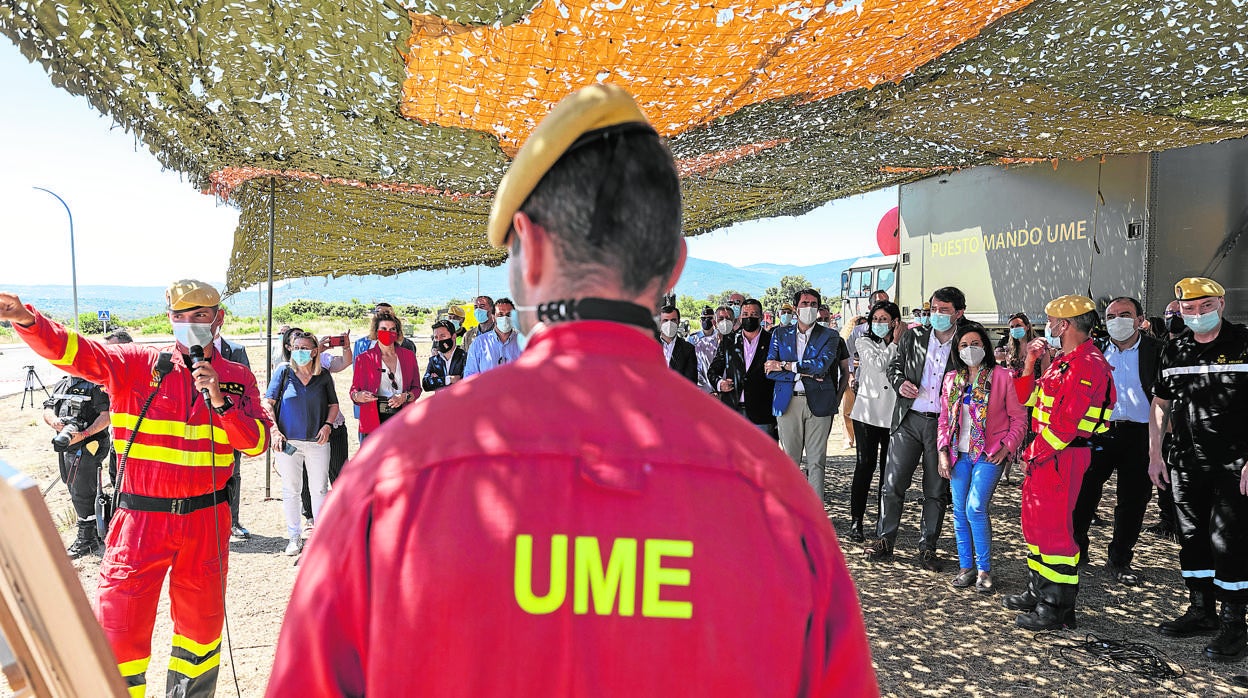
x=608 y=528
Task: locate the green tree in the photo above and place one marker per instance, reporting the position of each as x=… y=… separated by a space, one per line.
x=690 y=308
x=722 y=299
x=776 y=296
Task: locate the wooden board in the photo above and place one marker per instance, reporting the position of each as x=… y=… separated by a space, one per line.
x=56 y=645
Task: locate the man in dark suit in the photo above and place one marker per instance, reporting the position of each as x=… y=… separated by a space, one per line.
x=1134 y=355
x=924 y=355
x=238 y=354
x=679 y=353
x=737 y=369
x=809 y=366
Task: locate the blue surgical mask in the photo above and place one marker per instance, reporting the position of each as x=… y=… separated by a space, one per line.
x=1205 y=322
x=482 y=315
x=926 y=321
x=1054 y=341
x=736 y=311
x=785 y=319
x=192 y=334
x=941 y=322
x=456 y=323
x=879 y=329
x=1018 y=332
x=301 y=357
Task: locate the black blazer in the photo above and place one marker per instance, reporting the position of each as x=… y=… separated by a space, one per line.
x=1150 y=359
x=437 y=372
x=908 y=366
x=684 y=360
x=729 y=362
x=235 y=352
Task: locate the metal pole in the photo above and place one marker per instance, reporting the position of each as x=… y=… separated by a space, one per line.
x=73 y=261
x=268 y=455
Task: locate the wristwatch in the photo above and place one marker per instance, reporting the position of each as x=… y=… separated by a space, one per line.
x=228 y=404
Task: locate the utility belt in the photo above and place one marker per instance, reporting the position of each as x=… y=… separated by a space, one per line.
x=1080 y=442
x=163 y=505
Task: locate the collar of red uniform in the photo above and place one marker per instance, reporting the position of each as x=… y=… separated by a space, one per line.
x=1080 y=350
x=597 y=337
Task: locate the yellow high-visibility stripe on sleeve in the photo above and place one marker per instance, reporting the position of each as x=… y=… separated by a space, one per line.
x=261 y=443
x=71 y=351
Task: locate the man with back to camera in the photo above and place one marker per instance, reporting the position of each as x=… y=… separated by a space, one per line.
x=599 y=541
x=1202 y=393
x=172 y=516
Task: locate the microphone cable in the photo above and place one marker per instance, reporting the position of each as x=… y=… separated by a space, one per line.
x=1135 y=658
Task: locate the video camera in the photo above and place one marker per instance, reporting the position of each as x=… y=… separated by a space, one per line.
x=70 y=412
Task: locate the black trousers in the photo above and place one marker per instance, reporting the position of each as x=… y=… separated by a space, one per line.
x=1122 y=449
x=80 y=471
x=337 y=458
x=234 y=485
x=914 y=439
x=871 y=443
x=1213 y=530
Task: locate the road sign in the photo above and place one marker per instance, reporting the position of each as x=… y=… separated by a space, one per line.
x=102 y=315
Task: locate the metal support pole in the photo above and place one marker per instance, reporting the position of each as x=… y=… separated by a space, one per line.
x=268 y=352
x=73 y=261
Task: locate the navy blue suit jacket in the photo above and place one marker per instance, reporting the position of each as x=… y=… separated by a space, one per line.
x=820 y=365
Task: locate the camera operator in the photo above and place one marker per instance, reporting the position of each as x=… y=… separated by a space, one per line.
x=78 y=413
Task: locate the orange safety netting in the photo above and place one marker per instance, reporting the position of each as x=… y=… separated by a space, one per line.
x=687 y=63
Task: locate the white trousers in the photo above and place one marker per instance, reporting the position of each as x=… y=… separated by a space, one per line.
x=315 y=457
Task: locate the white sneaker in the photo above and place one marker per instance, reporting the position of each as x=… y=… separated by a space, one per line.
x=295 y=546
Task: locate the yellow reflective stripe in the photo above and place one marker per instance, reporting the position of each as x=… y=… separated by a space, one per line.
x=134 y=667
x=1058 y=559
x=194 y=647
x=137 y=691
x=1054 y=575
x=1046 y=400
x=192 y=670
x=1031 y=399
x=1055 y=442
x=262 y=443
x=169 y=427
x=1086 y=425
x=176 y=456
x=71 y=351
x=1033 y=549
x=1043 y=417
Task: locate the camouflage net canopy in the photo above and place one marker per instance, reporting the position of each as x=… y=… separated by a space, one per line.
x=375 y=131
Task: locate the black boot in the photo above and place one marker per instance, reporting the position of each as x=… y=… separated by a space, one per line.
x=1231 y=644
x=855 y=531
x=1055 y=610
x=1027 y=600
x=87 y=543
x=1199 y=619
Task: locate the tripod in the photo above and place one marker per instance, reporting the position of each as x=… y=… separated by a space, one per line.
x=32 y=380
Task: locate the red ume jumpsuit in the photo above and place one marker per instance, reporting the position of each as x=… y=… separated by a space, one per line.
x=581 y=522
x=183 y=450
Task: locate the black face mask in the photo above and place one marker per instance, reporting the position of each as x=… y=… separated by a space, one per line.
x=708 y=323
x=443 y=345
x=750 y=324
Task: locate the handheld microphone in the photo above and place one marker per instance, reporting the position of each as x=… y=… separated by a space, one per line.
x=197 y=355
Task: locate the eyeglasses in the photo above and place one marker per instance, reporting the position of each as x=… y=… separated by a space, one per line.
x=736 y=302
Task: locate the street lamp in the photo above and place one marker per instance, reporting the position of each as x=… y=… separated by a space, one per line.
x=73 y=262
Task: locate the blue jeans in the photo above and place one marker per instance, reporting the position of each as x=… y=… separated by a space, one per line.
x=972 y=486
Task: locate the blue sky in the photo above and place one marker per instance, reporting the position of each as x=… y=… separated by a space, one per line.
x=133 y=222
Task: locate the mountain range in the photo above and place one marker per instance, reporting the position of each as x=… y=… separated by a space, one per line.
x=700 y=279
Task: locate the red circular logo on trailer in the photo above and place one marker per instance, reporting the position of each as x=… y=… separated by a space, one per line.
x=886 y=233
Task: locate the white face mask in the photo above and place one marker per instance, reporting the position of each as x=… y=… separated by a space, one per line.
x=669 y=328
x=192 y=334
x=723 y=326
x=972 y=355
x=807 y=315
x=503 y=324
x=1120 y=328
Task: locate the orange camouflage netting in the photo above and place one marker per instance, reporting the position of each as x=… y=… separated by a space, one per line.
x=687 y=63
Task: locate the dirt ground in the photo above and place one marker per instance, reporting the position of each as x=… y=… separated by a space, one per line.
x=926 y=638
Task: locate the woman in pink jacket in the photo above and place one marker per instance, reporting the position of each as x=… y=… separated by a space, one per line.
x=981 y=422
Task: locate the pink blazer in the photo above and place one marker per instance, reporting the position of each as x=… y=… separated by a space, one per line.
x=1007 y=418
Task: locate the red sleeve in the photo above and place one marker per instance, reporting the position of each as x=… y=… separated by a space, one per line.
x=1024 y=386
x=1017 y=416
x=75 y=354
x=412 y=377
x=324 y=637
x=363 y=368
x=247 y=425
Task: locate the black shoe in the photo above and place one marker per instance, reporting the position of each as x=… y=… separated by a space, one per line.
x=87 y=543
x=1199 y=619
x=1123 y=574
x=879 y=549
x=855 y=532
x=1231 y=644
x=1025 y=601
x=929 y=561
x=1098 y=521
x=1047 y=617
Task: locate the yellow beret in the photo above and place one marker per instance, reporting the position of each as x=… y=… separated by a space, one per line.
x=189 y=293
x=1069 y=306
x=1194 y=287
x=786 y=307
x=588 y=109
x=456 y=311
x=927 y=305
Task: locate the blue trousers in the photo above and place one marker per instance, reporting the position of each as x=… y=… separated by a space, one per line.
x=972 y=485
